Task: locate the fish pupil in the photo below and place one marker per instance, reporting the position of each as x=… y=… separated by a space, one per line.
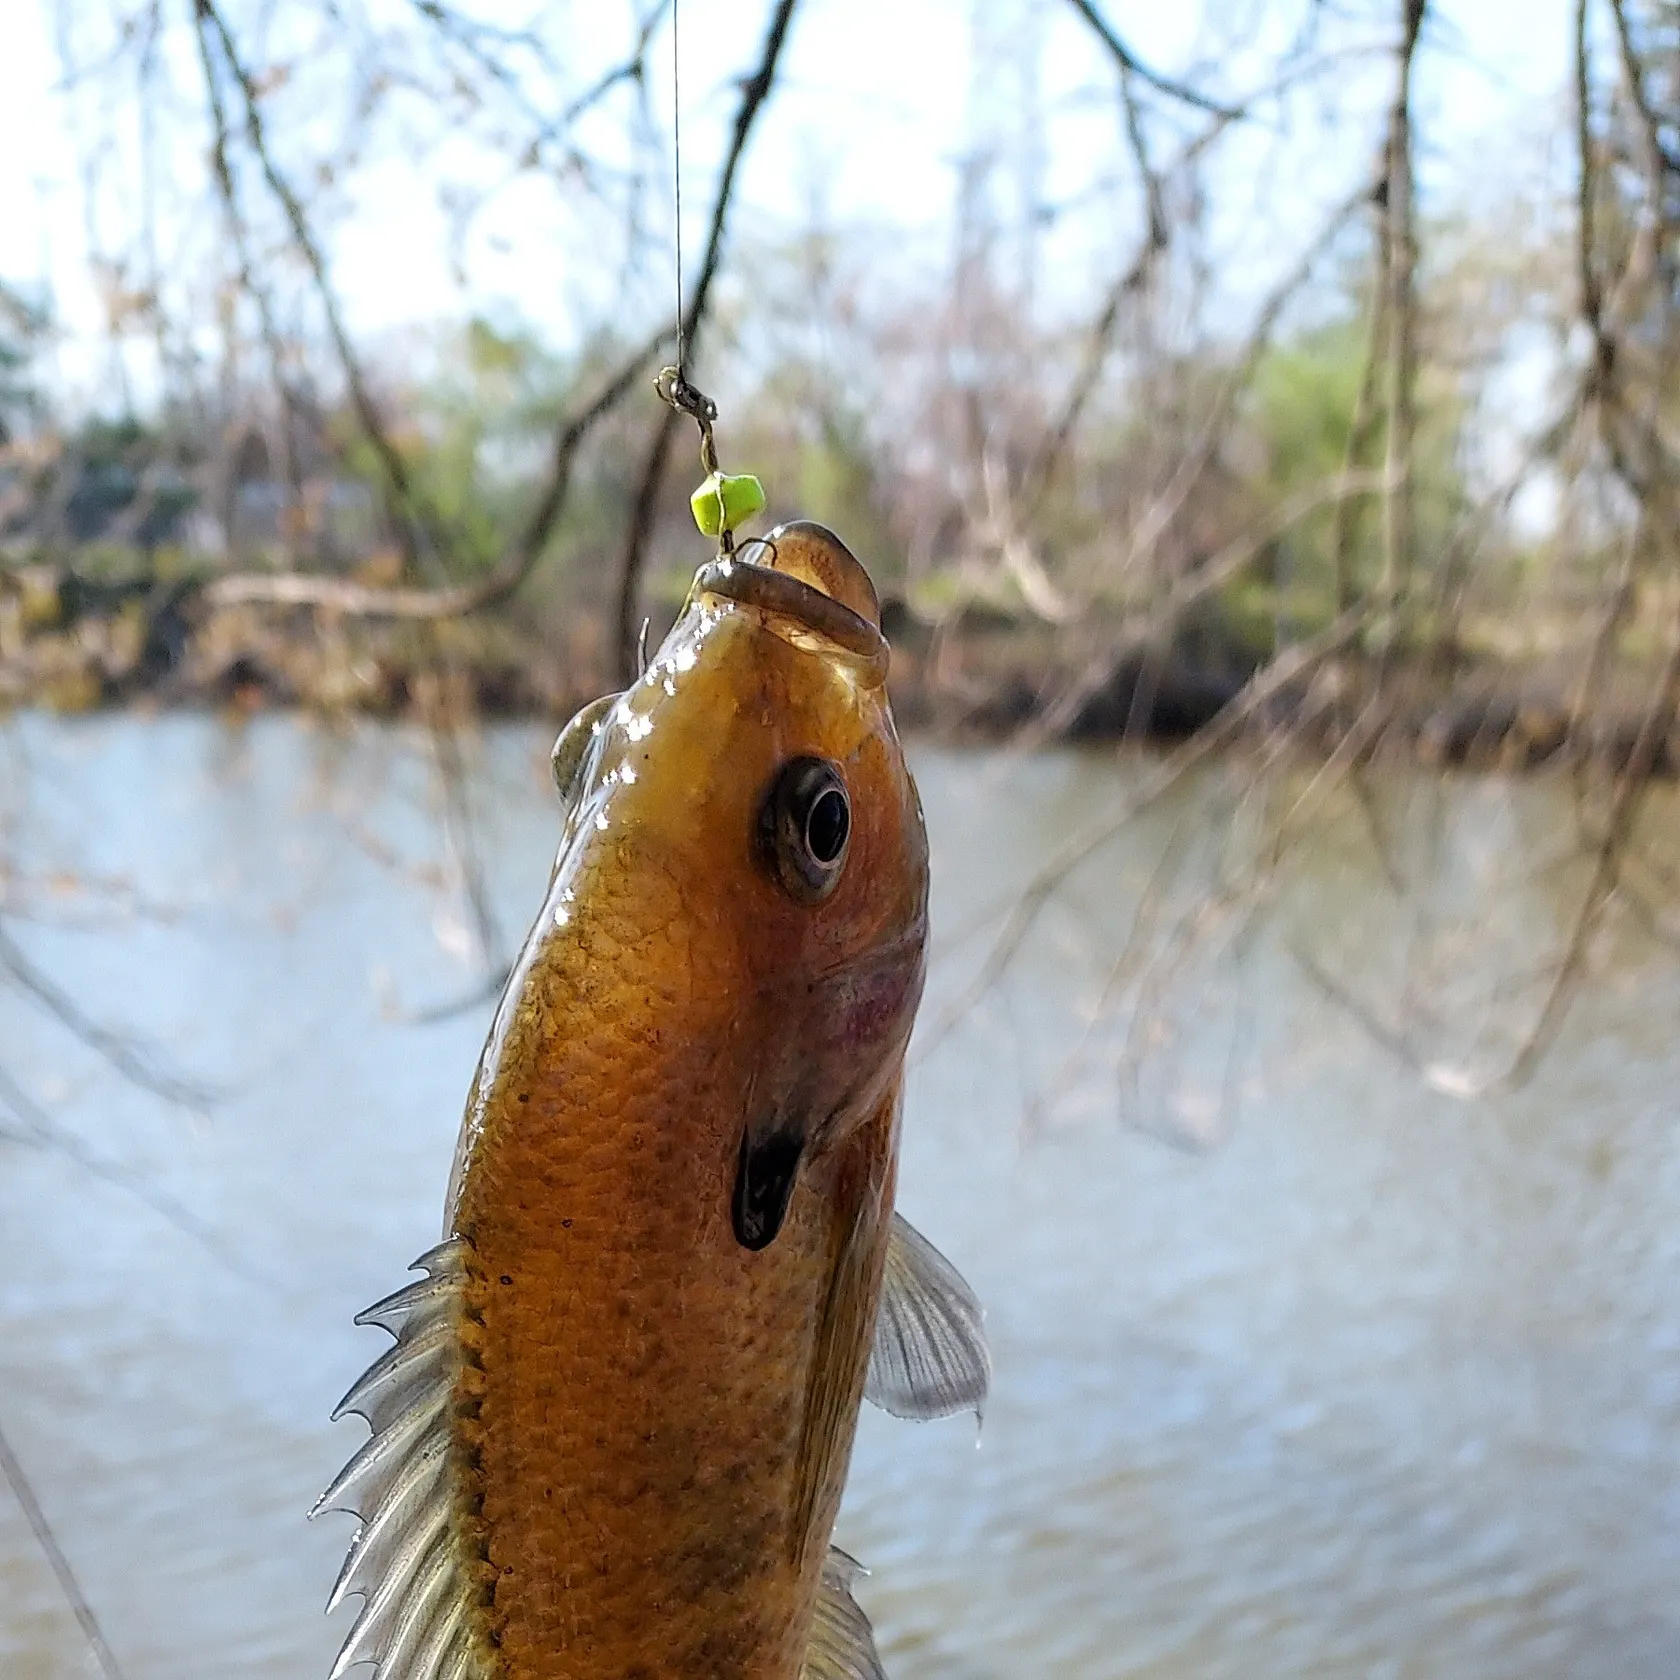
x=827 y=826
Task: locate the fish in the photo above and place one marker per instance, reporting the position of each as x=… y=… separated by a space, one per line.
x=610 y=1436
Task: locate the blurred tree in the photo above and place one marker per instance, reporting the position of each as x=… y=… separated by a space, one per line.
x=23 y=330
x=1304 y=404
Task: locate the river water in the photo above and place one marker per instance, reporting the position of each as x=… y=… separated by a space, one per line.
x=1311 y=1360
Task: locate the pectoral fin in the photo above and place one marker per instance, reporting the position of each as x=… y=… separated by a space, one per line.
x=929 y=1355
x=842 y=1645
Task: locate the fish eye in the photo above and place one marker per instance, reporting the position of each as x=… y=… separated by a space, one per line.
x=806 y=827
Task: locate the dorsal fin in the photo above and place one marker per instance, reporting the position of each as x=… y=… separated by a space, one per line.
x=406 y=1561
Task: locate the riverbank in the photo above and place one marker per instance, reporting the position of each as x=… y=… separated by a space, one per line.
x=74 y=644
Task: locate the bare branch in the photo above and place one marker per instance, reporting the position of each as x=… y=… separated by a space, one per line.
x=1288 y=669
x=1099 y=338
x=1166 y=507
x=1361 y=424
x=1153 y=193
x=111 y=1046
x=1129 y=64
x=417 y=516
x=1230 y=562
x=1650 y=128
x=1632 y=784
x=221 y=169
x=40 y=1130
x=24 y=1493
x=1592 y=294
x=1401 y=253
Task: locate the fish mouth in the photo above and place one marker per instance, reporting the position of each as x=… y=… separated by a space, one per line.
x=805 y=605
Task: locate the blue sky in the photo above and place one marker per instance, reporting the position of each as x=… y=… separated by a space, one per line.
x=876 y=105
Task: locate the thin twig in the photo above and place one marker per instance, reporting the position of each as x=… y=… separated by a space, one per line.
x=1360 y=425
x=40 y=1130
x=1170 y=503
x=1195 y=586
x=1131 y=282
x=1130 y=64
x=418 y=515
x=24 y=1493
x=221 y=168
x=115 y=1049
x=1401 y=252
x=1287 y=669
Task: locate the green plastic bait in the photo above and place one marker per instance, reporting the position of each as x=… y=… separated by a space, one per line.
x=726 y=500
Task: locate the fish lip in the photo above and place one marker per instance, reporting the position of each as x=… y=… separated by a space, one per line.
x=789 y=597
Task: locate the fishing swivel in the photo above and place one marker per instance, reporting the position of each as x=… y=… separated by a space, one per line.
x=724 y=500
x=673 y=388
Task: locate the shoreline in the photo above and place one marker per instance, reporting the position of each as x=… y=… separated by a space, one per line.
x=70 y=646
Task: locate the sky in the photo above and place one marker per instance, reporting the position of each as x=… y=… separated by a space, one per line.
x=876 y=105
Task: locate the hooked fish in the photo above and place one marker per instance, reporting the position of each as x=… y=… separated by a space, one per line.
x=610 y=1440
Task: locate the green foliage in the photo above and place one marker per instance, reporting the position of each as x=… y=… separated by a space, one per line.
x=475 y=436
x=1303 y=404
x=1305 y=393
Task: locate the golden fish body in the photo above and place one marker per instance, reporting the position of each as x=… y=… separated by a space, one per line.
x=611 y=1439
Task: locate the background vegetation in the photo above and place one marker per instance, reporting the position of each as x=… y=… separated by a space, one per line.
x=1422 y=443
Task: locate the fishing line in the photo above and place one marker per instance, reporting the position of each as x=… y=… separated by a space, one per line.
x=725 y=499
x=676 y=170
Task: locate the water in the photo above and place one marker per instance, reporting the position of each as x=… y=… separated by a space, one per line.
x=1305 y=1367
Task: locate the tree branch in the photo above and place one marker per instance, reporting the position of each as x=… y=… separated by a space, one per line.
x=1398 y=504
x=415 y=514
x=12 y=1473
x=1286 y=670
x=1194 y=586
x=1129 y=64
x=221 y=167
